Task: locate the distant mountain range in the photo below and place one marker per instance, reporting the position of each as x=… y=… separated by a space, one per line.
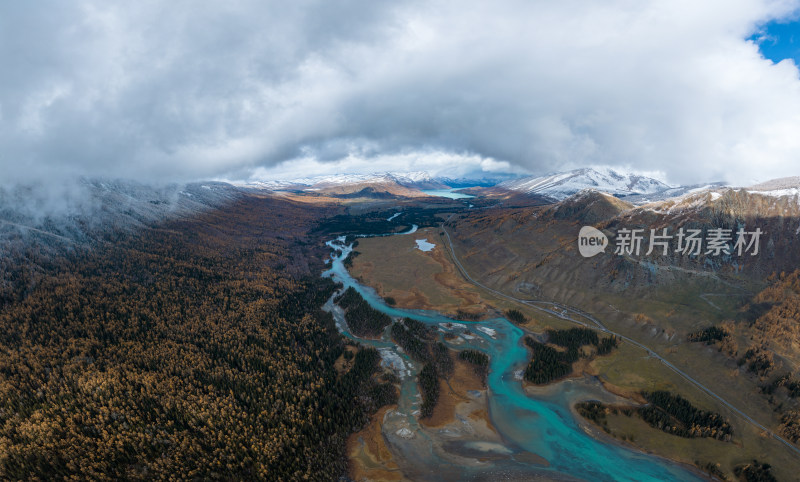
x=561 y=185
x=553 y=187
x=84 y=211
x=634 y=188
x=420 y=180
x=536 y=246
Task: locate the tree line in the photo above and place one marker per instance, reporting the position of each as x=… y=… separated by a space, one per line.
x=416 y=339
x=376 y=222
x=665 y=411
x=676 y=415
x=362 y=319
x=549 y=363
x=478 y=360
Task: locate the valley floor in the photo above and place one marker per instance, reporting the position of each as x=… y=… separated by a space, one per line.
x=430 y=280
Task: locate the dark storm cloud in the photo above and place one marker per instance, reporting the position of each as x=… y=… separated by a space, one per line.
x=184 y=90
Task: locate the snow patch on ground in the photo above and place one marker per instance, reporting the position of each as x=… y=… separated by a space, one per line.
x=699 y=189
x=778 y=192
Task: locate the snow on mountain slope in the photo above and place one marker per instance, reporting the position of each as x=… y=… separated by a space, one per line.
x=87 y=209
x=271 y=185
x=785 y=186
x=412 y=180
x=771 y=197
x=674 y=192
x=347 y=179
x=335 y=180
x=564 y=184
x=767 y=201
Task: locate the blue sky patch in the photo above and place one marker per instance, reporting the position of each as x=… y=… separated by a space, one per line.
x=780 y=40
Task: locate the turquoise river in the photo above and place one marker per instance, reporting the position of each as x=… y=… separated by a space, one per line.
x=544 y=426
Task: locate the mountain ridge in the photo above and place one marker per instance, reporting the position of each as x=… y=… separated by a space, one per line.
x=561 y=185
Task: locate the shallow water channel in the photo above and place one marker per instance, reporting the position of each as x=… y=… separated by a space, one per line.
x=539 y=436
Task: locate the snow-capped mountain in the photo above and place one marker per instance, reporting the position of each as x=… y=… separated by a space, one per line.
x=337 y=180
x=782 y=188
x=674 y=192
x=406 y=179
x=559 y=186
x=413 y=180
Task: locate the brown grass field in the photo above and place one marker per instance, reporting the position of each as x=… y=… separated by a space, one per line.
x=429 y=280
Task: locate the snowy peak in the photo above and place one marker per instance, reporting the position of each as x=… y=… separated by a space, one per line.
x=337 y=180
x=561 y=185
x=410 y=180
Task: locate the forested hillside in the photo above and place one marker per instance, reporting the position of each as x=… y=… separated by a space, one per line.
x=194 y=349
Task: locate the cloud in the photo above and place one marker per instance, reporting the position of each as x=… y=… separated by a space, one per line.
x=187 y=90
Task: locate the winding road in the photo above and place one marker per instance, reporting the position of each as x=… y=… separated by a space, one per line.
x=566 y=313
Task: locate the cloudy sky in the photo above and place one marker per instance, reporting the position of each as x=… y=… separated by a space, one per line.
x=187 y=90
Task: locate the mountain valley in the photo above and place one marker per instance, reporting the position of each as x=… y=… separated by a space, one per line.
x=129 y=279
